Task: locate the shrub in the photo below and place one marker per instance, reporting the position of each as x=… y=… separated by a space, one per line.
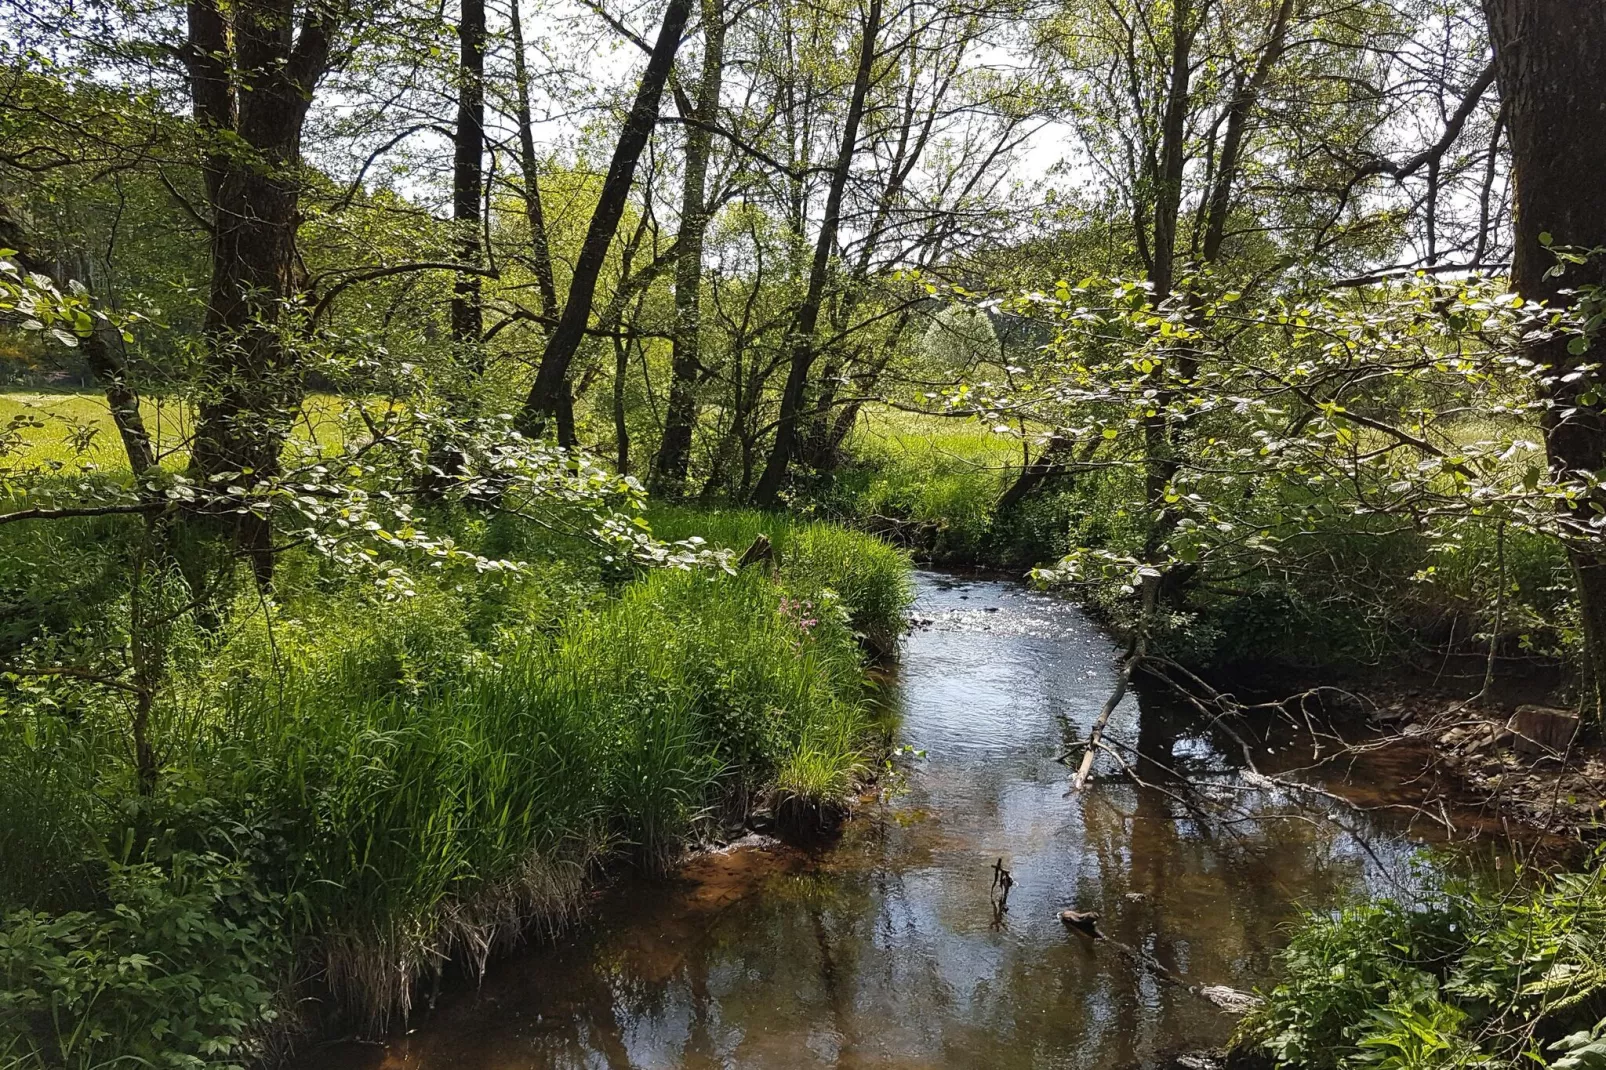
x=180 y=969
x=1469 y=976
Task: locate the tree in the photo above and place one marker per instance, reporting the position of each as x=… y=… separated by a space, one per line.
x=468 y=171
x=535 y=216
x=254 y=67
x=1548 y=55
x=1237 y=135
x=680 y=413
x=101 y=344
x=549 y=398
x=801 y=339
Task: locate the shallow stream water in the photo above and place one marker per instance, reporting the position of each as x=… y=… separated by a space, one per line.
x=890 y=949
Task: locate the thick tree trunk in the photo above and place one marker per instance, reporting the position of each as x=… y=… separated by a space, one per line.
x=768 y=491
x=1550 y=59
x=253 y=382
x=549 y=399
x=680 y=415
x=252 y=77
x=468 y=169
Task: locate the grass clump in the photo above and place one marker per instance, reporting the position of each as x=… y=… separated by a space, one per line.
x=823 y=564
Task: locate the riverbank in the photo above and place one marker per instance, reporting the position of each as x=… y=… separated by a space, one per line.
x=1501 y=756
x=358 y=795
x=892 y=948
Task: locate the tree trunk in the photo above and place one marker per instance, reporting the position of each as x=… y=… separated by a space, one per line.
x=468 y=169
x=1159 y=430
x=549 y=399
x=540 y=251
x=1550 y=59
x=1058 y=454
x=1245 y=100
x=621 y=429
x=1168 y=170
x=768 y=491
x=252 y=77
x=680 y=415
x=100 y=353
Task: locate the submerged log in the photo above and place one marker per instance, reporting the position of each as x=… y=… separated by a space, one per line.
x=1230 y=1000
x=1223 y=998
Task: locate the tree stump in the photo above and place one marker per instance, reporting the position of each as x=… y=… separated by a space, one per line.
x=1542 y=729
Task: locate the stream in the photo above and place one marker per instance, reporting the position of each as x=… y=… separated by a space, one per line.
x=889 y=949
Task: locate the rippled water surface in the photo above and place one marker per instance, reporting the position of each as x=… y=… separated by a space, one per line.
x=888 y=950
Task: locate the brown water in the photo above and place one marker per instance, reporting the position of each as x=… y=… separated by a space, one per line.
x=888 y=950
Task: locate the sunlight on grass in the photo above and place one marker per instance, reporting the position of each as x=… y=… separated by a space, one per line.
x=74 y=429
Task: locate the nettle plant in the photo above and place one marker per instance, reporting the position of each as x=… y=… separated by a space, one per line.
x=1400 y=405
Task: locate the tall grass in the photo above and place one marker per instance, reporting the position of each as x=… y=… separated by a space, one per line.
x=816 y=561
x=942 y=474
x=397 y=785
x=445 y=823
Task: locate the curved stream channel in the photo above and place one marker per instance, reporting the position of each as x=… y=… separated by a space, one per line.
x=887 y=950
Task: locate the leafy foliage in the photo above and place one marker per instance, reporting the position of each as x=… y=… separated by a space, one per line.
x=1472 y=976
x=180 y=969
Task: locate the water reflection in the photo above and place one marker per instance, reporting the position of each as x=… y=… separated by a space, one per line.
x=889 y=950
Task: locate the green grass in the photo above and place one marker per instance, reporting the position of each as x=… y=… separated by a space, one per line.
x=355 y=789
x=74 y=429
x=817 y=562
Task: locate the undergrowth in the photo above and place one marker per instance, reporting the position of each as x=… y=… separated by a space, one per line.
x=1470 y=977
x=356 y=791
x=1330 y=588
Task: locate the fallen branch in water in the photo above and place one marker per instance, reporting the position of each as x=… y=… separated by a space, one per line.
x=1222 y=997
x=1123 y=680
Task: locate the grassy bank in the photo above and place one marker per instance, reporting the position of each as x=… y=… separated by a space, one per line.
x=356 y=792
x=813 y=560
